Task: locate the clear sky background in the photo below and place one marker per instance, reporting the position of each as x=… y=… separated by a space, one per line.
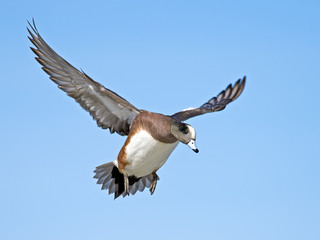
x=257 y=173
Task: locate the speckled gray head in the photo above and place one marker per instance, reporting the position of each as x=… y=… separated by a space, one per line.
x=185 y=133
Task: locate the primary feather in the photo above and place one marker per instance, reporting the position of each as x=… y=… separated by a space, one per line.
x=215 y=104
x=109 y=109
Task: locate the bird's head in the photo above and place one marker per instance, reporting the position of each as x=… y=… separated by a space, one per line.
x=185 y=134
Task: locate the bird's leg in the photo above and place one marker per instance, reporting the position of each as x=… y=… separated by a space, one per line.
x=126 y=183
x=155 y=178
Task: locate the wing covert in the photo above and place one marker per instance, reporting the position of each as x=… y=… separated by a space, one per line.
x=215 y=104
x=109 y=109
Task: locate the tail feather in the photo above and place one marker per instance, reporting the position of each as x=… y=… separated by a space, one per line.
x=113 y=180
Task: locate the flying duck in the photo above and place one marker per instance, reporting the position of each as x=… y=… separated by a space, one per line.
x=151 y=137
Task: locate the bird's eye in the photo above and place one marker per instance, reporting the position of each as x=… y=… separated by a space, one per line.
x=184 y=128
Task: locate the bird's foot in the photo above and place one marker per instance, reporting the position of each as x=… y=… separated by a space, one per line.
x=126 y=184
x=154 y=183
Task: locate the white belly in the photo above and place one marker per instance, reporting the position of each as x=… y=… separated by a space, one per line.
x=146 y=155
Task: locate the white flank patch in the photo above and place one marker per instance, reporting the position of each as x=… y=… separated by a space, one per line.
x=145 y=154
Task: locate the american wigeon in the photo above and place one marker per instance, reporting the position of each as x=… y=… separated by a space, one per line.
x=151 y=136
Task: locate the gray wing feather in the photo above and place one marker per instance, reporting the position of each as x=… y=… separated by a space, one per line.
x=215 y=104
x=109 y=109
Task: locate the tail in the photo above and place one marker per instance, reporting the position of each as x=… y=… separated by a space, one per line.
x=113 y=180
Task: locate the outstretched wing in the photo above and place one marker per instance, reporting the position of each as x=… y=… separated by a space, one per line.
x=215 y=104
x=106 y=107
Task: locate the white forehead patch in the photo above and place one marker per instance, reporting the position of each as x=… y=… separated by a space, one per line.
x=192 y=132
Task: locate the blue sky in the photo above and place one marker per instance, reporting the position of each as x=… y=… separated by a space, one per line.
x=257 y=173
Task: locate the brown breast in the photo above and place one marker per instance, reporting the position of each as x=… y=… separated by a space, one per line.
x=158 y=125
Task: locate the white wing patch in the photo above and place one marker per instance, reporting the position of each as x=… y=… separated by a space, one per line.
x=187 y=109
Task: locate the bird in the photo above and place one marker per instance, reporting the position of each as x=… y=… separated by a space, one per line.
x=151 y=137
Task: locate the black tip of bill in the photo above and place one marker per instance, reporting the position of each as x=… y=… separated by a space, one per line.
x=195 y=150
